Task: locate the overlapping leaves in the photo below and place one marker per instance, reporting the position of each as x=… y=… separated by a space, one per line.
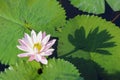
x=60 y=70
x=19 y=16
x=56 y=69
x=92 y=44
x=96 y=6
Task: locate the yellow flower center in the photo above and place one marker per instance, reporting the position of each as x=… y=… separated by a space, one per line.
x=38 y=46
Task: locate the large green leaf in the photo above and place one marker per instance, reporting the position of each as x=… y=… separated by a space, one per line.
x=93 y=45
x=45 y=15
x=58 y=69
x=21 y=71
x=96 y=6
x=34 y=14
x=10 y=33
x=19 y=16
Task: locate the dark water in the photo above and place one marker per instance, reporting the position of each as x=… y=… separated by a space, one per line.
x=2 y=67
x=109 y=14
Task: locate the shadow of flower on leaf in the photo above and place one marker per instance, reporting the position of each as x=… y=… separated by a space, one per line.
x=98 y=41
x=95 y=41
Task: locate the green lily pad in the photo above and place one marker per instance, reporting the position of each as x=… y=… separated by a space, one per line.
x=96 y=6
x=58 y=69
x=114 y=4
x=91 y=43
x=21 y=71
x=9 y=33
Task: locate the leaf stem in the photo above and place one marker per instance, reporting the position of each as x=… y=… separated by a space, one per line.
x=116 y=17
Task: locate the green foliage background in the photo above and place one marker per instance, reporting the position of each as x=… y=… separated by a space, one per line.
x=90 y=43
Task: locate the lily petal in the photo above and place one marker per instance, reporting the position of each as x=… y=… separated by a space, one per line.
x=43 y=35
x=39 y=37
x=47 y=53
x=23 y=43
x=24 y=54
x=43 y=47
x=33 y=36
x=23 y=48
x=45 y=40
x=28 y=40
x=50 y=44
x=32 y=57
x=41 y=59
x=44 y=60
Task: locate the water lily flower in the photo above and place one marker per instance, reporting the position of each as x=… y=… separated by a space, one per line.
x=36 y=46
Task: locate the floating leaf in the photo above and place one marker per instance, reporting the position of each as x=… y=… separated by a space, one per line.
x=96 y=6
x=17 y=17
x=93 y=45
x=114 y=4
x=34 y=14
x=58 y=69
x=9 y=33
x=44 y=15
x=21 y=71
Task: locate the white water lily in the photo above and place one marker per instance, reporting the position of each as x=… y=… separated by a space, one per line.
x=36 y=46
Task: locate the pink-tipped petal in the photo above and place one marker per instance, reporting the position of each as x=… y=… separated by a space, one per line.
x=49 y=44
x=47 y=53
x=28 y=40
x=32 y=57
x=39 y=37
x=43 y=35
x=45 y=40
x=44 y=60
x=23 y=48
x=37 y=57
x=41 y=59
x=24 y=55
x=22 y=42
x=33 y=36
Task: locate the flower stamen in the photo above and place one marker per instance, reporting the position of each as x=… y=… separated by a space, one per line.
x=38 y=46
